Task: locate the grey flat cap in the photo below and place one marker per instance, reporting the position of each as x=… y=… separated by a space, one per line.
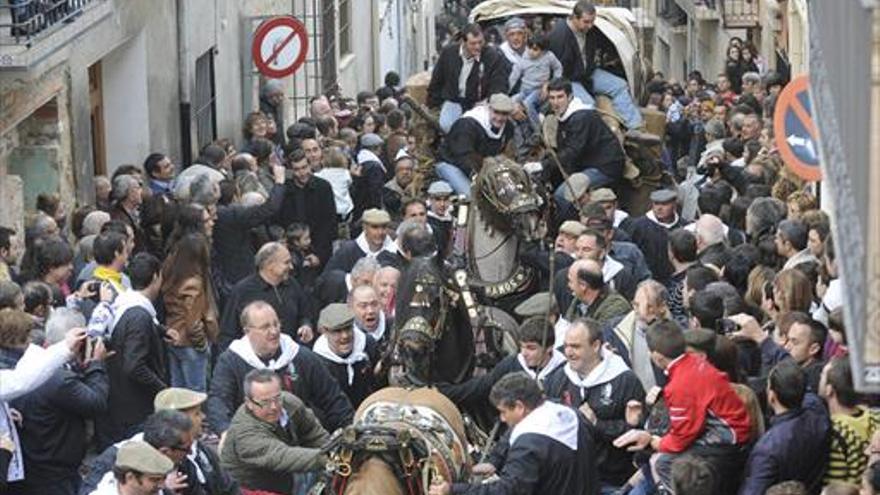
x=440 y=188
x=369 y=140
x=500 y=102
x=664 y=195
x=514 y=23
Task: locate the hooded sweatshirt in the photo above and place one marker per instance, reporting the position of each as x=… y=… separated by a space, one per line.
x=607 y=389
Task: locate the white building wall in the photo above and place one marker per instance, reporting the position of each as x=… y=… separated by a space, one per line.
x=126 y=104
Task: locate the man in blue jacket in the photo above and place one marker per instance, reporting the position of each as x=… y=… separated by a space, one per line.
x=795 y=448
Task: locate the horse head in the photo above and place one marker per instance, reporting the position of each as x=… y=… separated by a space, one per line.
x=506 y=197
x=421 y=310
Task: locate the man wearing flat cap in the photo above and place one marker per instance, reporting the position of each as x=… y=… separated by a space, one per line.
x=201 y=466
x=139 y=469
x=608 y=200
x=514 y=46
x=170 y=433
x=395 y=189
x=366 y=190
x=650 y=231
x=481 y=132
x=576 y=192
x=564 y=251
x=372 y=241
x=348 y=353
x=440 y=215
x=465 y=74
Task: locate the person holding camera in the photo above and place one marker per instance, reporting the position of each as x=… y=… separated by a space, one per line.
x=54 y=416
x=23 y=368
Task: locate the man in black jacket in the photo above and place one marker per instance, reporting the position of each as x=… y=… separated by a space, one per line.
x=348 y=353
x=231 y=238
x=585 y=144
x=53 y=428
x=650 y=232
x=582 y=49
x=138 y=370
x=465 y=74
x=367 y=187
x=394 y=190
x=537 y=357
x=599 y=384
x=168 y=431
x=273 y=285
x=550 y=447
x=482 y=131
x=264 y=346
x=372 y=242
x=309 y=200
x=205 y=475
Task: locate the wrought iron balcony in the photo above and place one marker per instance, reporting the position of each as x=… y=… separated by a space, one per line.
x=30 y=30
x=741 y=14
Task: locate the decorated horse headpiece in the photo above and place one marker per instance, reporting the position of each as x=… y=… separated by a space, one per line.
x=427 y=291
x=506 y=186
x=503 y=187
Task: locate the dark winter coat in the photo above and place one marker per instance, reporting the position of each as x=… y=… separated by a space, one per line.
x=231 y=238
x=53 y=429
x=585 y=141
x=794 y=448
x=486 y=78
x=288 y=299
x=138 y=371
x=607 y=390
x=302 y=373
x=314 y=206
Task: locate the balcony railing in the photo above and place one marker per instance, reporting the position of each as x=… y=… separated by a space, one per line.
x=741 y=14
x=671 y=12
x=24 y=21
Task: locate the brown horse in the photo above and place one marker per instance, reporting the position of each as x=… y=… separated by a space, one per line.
x=374 y=454
x=374 y=477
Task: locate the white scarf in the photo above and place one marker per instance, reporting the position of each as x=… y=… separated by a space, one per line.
x=556 y=359
x=387 y=245
x=575 y=105
x=358 y=352
x=483 y=117
x=131 y=299
x=366 y=155
x=378 y=333
x=608 y=369
x=551 y=420
x=289 y=350
x=610 y=268
x=652 y=217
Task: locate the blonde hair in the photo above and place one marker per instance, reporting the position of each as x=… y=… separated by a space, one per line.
x=15 y=328
x=334 y=157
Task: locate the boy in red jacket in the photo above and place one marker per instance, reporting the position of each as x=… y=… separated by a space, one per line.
x=706 y=417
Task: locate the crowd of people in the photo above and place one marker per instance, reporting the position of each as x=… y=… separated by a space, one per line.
x=205 y=330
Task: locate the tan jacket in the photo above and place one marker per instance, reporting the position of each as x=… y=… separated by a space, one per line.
x=190 y=309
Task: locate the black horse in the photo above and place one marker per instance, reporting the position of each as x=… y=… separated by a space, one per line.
x=433 y=337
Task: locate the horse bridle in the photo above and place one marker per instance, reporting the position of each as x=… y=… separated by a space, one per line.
x=410 y=439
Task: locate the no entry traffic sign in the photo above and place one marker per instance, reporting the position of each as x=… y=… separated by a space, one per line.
x=280 y=46
x=795 y=133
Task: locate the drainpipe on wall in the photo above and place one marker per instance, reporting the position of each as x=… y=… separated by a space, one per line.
x=183 y=81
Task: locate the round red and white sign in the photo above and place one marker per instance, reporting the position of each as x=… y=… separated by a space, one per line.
x=280 y=46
